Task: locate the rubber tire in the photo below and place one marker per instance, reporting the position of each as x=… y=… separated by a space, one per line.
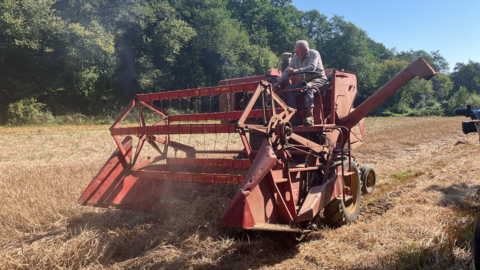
x=335 y=213
x=362 y=169
x=365 y=189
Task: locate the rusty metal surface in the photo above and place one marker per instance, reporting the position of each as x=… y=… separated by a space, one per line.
x=278 y=228
x=319 y=197
x=239 y=212
x=217 y=116
x=286 y=170
x=176 y=129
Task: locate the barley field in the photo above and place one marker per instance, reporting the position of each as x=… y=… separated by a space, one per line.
x=421 y=215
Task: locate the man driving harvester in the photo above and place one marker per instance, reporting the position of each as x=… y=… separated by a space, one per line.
x=304 y=60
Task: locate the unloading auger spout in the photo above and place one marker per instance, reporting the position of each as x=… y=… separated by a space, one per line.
x=418 y=68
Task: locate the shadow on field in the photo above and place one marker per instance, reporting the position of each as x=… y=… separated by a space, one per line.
x=454 y=194
x=250 y=250
x=183 y=234
x=110 y=220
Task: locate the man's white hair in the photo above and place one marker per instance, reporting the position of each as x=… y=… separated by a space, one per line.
x=302 y=43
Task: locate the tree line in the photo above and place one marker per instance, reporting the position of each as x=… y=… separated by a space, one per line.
x=93 y=56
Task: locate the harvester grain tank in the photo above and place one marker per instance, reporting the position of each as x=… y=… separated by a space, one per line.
x=283 y=184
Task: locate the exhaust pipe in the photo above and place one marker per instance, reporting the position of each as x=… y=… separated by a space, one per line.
x=286 y=58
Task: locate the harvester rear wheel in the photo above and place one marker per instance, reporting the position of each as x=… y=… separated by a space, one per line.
x=368 y=180
x=338 y=213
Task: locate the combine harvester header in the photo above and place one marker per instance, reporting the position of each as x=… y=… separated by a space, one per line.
x=283 y=182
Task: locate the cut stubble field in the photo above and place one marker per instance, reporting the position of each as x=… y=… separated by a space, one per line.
x=421 y=215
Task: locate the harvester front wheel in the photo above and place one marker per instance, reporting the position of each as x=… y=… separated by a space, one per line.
x=338 y=213
x=368 y=180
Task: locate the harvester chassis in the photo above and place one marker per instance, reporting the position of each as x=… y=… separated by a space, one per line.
x=297 y=172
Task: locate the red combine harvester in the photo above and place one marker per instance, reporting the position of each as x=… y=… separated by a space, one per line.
x=285 y=181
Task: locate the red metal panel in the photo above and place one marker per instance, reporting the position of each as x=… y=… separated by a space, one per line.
x=238 y=88
x=182 y=118
x=194 y=93
x=205 y=92
x=319 y=196
x=238 y=114
x=159 y=175
x=177 y=129
x=173 y=94
x=211 y=116
x=237 y=163
x=197 y=177
x=164 y=95
x=183 y=93
x=173 y=129
x=199 y=161
x=167 y=176
x=111 y=174
x=177 y=176
x=162 y=129
x=184 y=129
x=250 y=87
x=143 y=130
x=133 y=131
x=196 y=129
x=189 y=161
x=217 y=116
x=221 y=129
x=238 y=213
x=208 y=161
x=143 y=97
x=209 y=178
x=221 y=178
x=172 y=161
x=209 y=128
x=226 y=89
x=235 y=179
x=226 y=162
x=215 y=91
x=217 y=162
x=187 y=177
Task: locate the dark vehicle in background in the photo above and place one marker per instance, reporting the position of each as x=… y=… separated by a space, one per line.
x=469 y=127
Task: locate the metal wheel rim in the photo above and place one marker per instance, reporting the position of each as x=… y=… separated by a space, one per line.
x=354 y=188
x=370 y=180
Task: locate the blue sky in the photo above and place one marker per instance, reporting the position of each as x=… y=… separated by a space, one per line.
x=452 y=27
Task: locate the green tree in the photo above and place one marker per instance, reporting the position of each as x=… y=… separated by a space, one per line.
x=457 y=100
x=412 y=93
x=62 y=63
x=442 y=85
x=467 y=75
x=437 y=61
